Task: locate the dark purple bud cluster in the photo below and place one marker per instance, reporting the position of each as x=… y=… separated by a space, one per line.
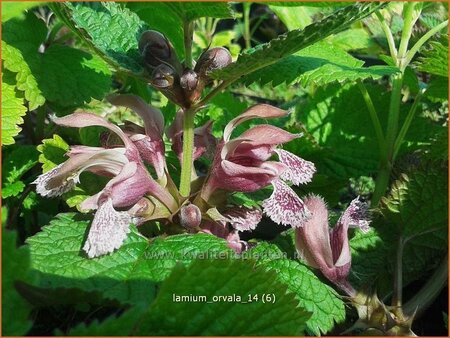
x=177 y=82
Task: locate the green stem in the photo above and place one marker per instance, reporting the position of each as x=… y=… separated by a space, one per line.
x=384 y=173
x=398 y=276
x=247 y=39
x=374 y=117
x=406 y=125
x=214 y=92
x=428 y=293
x=394 y=110
x=422 y=40
x=188 y=37
x=188 y=146
x=409 y=20
x=389 y=36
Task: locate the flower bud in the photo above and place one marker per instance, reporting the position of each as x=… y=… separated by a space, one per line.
x=190 y=216
x=156 y=49
x=163 y=77
x=212 y=59
x=191 y=85
x=189 y=80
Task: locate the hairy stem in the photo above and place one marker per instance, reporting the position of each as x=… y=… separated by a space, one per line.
x=188 y=147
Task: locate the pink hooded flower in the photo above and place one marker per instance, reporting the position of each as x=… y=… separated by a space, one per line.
x=150 y=144
x=328 y=249
x=128 y=186
x=243 y=164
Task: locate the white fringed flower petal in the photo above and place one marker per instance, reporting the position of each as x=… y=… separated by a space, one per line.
x=108 y=231
x=244 y=219
x=285 y=207
x=299 y=170
x=42 y=181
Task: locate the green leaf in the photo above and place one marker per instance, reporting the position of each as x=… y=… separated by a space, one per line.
x=275 y=311
x=14 y=166
x=128 y=274
x=320 y=4
x=333 y=117
x=98 y=23
x=293 y=41
x=416 y=211
x=53 y=152
x=418 y=201
x=435 y=59
x=15 y=265
x=352 y=39
x=294 y=17
x=21 y=39
x=12 y=112
x=189 y=11
x=168 y=17
x=319 y=64
x=76 y=76
x=11 y=9
x=61 y=74
x=437 y=89
x=316 y=297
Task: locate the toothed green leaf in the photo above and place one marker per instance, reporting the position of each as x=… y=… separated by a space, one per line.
x=316 y=297
x=13 y=110
x=275 y=311
x=128 y=274
x=319 y=64
x=293 y=41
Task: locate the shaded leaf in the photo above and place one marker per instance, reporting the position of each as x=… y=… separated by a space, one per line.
x=60 y=74
x=127 y=275
x=315 y=296
x=15 y=264
x=14 y=166
x=435 y=59
x=277 y=315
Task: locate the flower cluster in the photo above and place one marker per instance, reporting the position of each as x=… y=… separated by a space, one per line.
x=248 y=162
